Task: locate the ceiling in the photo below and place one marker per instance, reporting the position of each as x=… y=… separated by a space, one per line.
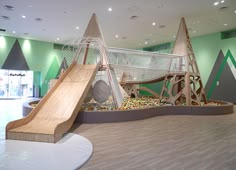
x=131 y=20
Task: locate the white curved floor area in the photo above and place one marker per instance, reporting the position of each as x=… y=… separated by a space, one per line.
x=70 y=153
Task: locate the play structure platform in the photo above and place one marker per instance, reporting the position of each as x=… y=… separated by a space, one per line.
x=107 y=76
x=57 y=111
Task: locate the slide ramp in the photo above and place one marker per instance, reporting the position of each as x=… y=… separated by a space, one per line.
x=56 y=112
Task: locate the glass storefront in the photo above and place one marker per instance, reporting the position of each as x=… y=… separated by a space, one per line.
x=16 y=83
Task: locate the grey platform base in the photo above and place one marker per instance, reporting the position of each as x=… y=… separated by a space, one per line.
x=132 y=115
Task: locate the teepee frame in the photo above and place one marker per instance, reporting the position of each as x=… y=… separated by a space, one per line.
x=187 y=86
x=93 y=32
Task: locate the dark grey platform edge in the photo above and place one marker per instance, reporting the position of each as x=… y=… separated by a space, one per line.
x=139 y=114
x=132 y=115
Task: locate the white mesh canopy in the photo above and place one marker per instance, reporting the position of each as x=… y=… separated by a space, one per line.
x=141 y=66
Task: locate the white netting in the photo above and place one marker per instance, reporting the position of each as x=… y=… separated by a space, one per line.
x=76 y=50
x=138 y=66
x=125 y=65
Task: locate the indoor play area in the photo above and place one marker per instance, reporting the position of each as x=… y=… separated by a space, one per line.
x=98 y=84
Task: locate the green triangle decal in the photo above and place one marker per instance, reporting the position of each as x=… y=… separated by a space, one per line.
x=63 y=66
x=51 y=74
x=225 y=77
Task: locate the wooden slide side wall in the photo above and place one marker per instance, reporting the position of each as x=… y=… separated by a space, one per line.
x=29 y=117
x=56 y=112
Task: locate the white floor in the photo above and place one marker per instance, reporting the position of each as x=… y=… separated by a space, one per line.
x=71 y=152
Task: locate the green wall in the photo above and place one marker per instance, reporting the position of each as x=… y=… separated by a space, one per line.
x=206 y=49
x=45 y=60
x=39 y=56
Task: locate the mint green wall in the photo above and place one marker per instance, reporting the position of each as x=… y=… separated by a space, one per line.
x=39 y=56
x=6 y=44
x=51 y=74
x=206 y=49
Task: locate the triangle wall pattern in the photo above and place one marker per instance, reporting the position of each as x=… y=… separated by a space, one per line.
x=15 y=59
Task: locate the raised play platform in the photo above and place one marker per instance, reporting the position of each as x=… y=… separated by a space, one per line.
x=105 y=76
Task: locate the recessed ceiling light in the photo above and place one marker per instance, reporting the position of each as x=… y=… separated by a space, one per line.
x=235 y=11
x=110 y=9
x=145 y=42
x=223 y=8
x=77 y=28
x=194 y=31
x=6 y=17
x=117 y=36
x=216 y=3
x=38 y=19
x=13 y=32
x=222 y=1
x=23 y=16
x=58 y=39
x=3 y=30
x=174 y=36
x=153 y=23
x=134 y=17
x=225 y=24
x=162 y=26
x=9 y=7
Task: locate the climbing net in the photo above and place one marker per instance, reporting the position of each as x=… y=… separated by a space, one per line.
x=139 y=66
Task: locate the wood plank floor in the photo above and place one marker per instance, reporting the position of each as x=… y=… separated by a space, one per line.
x=165 y=142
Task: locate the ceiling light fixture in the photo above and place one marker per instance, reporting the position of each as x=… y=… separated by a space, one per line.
x=117 y=36
x=77 y=28
x=222 y=1
x=23 y=16
x=58 y=39
x=3 y=30
x=38 y=19
x=9 y=7
x=110 y=9
x=6 y=17
x=235 y=11
x=225 y=24
x=216 y=3
x=134 y=17
x=13 y=32
x=146 y=42
x=153 y=23
x=162 y=26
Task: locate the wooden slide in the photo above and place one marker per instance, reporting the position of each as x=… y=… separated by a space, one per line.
x=56 y=112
